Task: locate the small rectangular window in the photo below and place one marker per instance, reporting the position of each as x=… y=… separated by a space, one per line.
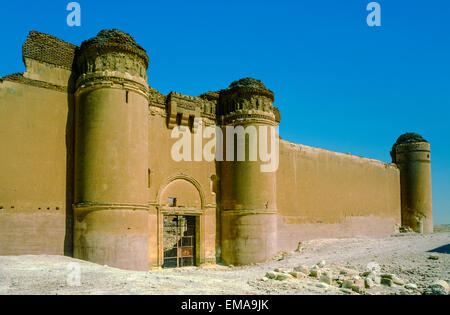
x=179 y=119
x=149 y=178
x=191 y=123
x=126 y=97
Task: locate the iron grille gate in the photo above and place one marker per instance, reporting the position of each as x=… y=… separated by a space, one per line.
x=179 y=241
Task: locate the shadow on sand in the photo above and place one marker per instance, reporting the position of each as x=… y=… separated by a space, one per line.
x=443 y=249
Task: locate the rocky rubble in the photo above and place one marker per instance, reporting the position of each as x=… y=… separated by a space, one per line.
x=349 y=280
x=347 y=262
x=438 y=287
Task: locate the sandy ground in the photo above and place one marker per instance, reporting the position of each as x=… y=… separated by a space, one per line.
x=406 y=255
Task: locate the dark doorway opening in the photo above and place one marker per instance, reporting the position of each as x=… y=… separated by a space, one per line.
x=179 y=241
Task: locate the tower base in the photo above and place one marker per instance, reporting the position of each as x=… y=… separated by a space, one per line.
x=248 y=237
x=112 y=235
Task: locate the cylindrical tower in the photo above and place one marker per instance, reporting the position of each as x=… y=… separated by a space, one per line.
x=111 y=152
x=412 y=155
x=248 y=194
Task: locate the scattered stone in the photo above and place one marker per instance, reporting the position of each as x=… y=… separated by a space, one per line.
x=368 y=283
x=387 y=275
x=371 y=275
x=433 y=257
x=357 y=289
x=302 y=269
x=281 y=256
x=297 y=274
x=282 y=270
x=264 y=279
x=315 y=273
x=326 y=277
x=322 y=285
x=377 y=280
x=321 y=264
x=405 y=229
x=365 y=274
x=348 y=284
x=346 y=291
x=397 y=280
x=358 y=286
x=347 y=271
x=283 y=276
x=438 y=287
x=411 y=286
x=271 y=275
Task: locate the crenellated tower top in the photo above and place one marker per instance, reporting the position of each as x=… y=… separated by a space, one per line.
x=247 y=100
x=115 y=55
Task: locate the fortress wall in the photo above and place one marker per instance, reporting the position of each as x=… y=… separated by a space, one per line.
x=169 y=178
x=319 y=193
x=324 y=194
x=35 y=191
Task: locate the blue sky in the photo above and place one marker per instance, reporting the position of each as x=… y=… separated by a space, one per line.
x=339 y=84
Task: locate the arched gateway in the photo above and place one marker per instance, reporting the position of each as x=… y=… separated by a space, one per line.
x=180 y=213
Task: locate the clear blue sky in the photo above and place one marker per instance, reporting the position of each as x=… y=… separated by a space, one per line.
x=339 y=84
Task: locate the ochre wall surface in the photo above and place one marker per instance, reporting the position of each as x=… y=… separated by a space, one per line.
x=324 y=194
x=35 y=192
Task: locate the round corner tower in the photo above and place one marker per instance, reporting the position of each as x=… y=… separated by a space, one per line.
x=248 y=202
x=411 y=153
x=111 y=152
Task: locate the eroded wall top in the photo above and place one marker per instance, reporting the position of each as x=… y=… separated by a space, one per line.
x=49 y=49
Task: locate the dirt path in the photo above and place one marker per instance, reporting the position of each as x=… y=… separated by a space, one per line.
x=406 y=255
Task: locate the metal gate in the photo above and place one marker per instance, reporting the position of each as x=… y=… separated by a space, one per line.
x=179 y=241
